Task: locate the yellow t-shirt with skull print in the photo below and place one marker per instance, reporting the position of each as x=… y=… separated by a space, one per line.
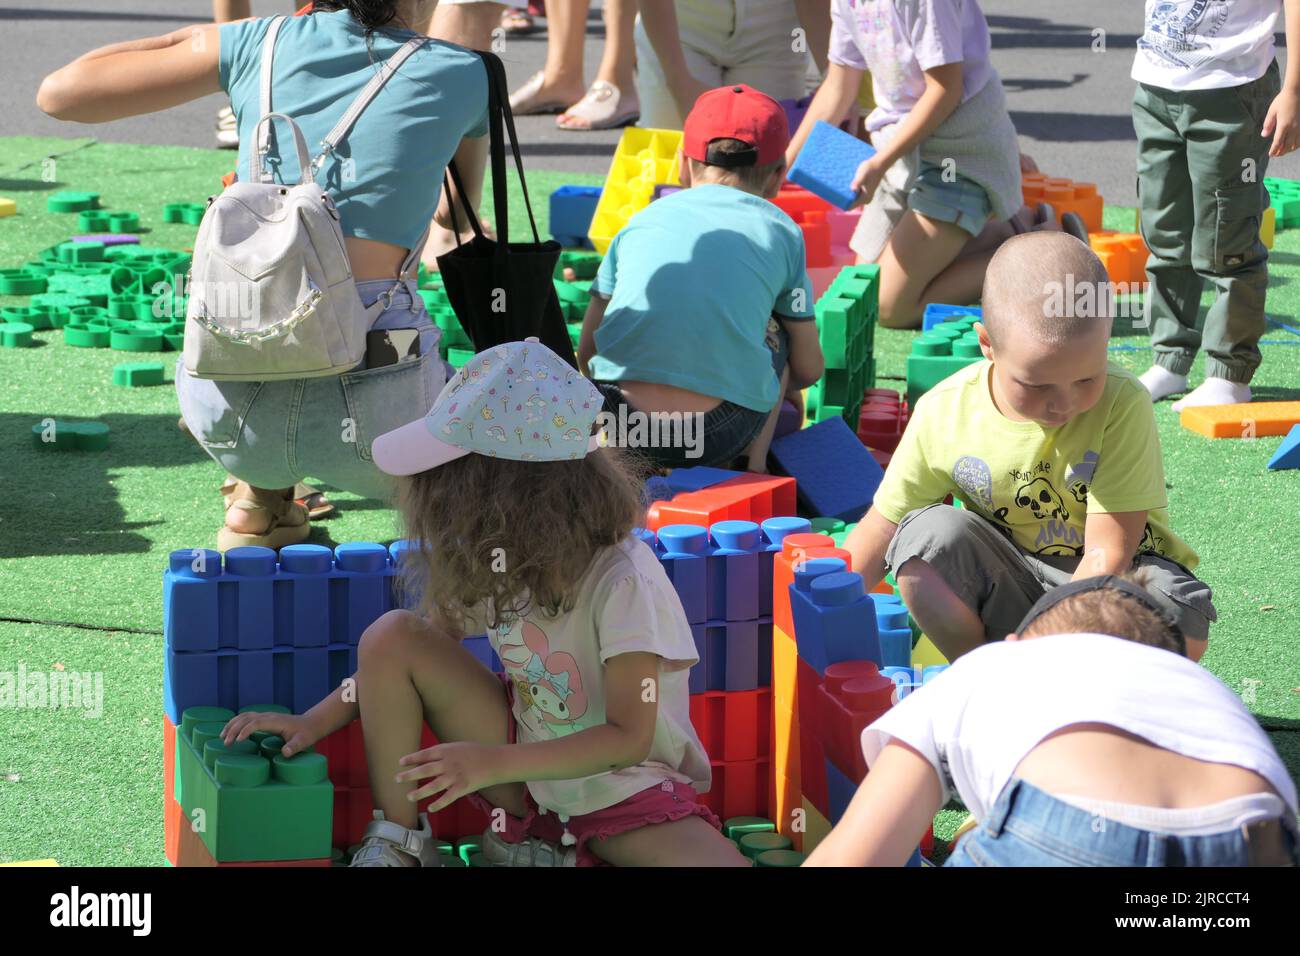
x=1035 y=483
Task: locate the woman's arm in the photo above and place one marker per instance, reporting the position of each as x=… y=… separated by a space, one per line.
x=138 y=76
x=887 y=816
x=471 y=159
x=624 y=739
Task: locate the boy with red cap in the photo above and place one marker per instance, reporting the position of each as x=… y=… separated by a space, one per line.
x=702 y=311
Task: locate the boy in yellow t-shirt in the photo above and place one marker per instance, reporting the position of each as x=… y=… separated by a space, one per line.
x=1053 y=453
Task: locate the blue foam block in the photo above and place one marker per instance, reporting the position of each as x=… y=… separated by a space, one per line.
x=1288 y=453
x=828 y=162
x=571 y=210
x=936 y=314
x=835 y=473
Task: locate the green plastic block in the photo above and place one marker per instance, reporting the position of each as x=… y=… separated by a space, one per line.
x=71 y=202
x=84 y=336
x=585 y=264
x=477 y=860
x=1284 y=196
x=94 y=288
x=136 y=340
x=458 y=357
x=16 y=335
x=944 y=350
x=70 y=436
x=571 y=293
x=24 y=281
x=93 y=220
x=736 y=827
x=123 y=222
x=138 y=374
x=38 y=316
x=829 y=526
x=834 y=324
x=81 y=252
x=779 y=858
x=192 y=215
x=253 y=807
x=59 y=300
x=754 y=844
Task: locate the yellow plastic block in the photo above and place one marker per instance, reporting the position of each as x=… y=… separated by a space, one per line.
x=33 y=863
x=1267 y=226
x=785 y=670
x=787 y=800
x=1247 y=420
x=817 y=827
x=645 y=158
x=7 y=207
x=925 y=654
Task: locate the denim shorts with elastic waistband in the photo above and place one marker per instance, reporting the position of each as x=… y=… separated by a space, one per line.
x=1028 y=827
x=275 y=434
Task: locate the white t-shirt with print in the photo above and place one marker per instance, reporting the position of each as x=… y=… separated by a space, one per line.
x=1206 y=44
x=977 y=720
x=625 y=604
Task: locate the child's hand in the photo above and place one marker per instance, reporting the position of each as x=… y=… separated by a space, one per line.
x=453 y=770
x=867 y=180
x=298 y=732
x=1283 y=123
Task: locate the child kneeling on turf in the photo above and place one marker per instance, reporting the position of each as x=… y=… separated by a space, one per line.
x=702 y=306
x=1082 y=741
x=1053 y=454
x=584 y=748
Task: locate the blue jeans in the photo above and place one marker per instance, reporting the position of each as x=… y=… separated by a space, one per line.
x=275 y=434
x=1028 y=827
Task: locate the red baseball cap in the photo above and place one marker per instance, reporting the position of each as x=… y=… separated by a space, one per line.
x=736 y=112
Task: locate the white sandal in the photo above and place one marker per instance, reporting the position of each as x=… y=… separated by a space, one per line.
x=603 y=107
x=390 y=844
x=530 y=851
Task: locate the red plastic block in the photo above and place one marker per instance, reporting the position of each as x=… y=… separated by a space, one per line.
x=882 y=419
x=743 y=498
x=734 y=725
x=795 y=201
x=172 y=812
x=927 y=842
x=739 y=789
x=812 y=773
x=345 y=749
x=852 y=695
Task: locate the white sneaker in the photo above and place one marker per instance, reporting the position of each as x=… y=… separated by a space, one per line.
x=227 y=129
x=530 y=851
x=390 y=844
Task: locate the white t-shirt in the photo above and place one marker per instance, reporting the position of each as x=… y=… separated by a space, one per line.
x=977 y=720
x=625 y=604
x=1206 y=44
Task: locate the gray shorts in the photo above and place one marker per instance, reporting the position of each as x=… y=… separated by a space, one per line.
x=275 y=434
x=999 y=581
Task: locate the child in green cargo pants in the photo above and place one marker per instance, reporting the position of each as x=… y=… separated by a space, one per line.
x=1209 y=111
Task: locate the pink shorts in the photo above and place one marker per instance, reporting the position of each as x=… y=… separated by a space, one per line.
x=661 y=803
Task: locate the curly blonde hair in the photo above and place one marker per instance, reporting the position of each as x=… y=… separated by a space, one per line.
x=500 y=536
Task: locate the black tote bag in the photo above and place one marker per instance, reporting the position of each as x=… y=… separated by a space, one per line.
x=503 y=291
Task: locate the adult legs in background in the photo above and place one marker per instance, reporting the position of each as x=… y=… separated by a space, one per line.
x=560 y=81
x=612 y=98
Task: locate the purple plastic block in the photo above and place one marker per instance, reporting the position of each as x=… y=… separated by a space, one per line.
x=664 y=189
x=733 y=571
x=110 y=239
x=774 y=532
x=684 y=549
x=828 y=162
x=731 y=656
x=788 y=420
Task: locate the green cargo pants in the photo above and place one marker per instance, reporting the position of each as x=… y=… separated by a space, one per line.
x=1201 y=162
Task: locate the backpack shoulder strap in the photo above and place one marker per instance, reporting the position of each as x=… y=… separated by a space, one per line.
x=364 y=98
x=268 y=58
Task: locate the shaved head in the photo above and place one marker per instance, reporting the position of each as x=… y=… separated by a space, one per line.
x=1048 y=287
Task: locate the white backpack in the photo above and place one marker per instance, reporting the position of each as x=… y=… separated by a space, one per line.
x=271 y=293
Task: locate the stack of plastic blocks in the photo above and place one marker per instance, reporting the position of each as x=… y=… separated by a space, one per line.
x=253 y=631
x=572 y=209
x=1284 y=198
x=745 y=497
x=881 y=422
x=1064 y=195
x=947 y=348
x=1124 y=254
x=454 y=345
x=846 y=326
x=643 y=159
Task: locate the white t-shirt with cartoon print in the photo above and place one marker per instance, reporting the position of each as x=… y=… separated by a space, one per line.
x=1206 y=44
x=625 y=604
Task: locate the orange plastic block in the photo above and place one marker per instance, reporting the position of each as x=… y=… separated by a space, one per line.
x=1124 y=254
x=743 y=498
x=172 y=813
x=1248 y=420
x=1065 y=195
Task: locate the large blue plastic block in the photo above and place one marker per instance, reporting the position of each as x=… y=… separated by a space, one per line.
x=1288 y=453
x=701 y=476
x=836 y=475
x=734 y=570
x=246 y=597
x=893 y=630
x=828 y=162
x=834 y=620
x=360 y=590
x=937 y=314
x=684 y=550
x=775 y=530
x=839 y=792
x=571 y=210
x=302 y=596
x=765 y=652
x=191 y=616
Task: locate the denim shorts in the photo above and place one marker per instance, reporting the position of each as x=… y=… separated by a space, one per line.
x=275 y=434
x=1028 y=827
x=962 y=201
x=727 y=430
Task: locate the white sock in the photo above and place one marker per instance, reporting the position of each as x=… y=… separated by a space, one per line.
x=1215 y=391
x=1162 y=383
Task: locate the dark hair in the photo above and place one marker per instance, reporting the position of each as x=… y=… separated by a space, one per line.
x=371 y=14
x=751 y=177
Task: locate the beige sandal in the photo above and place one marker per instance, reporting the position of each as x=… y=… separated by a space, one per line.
x=313 y=499
x=603 y=107
x=526 y=101
x=288 y=523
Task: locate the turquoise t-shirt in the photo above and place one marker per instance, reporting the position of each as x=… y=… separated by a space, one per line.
x=386 y=175
x=693 y=280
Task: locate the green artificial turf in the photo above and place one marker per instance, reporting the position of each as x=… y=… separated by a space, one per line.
x=84 y=535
